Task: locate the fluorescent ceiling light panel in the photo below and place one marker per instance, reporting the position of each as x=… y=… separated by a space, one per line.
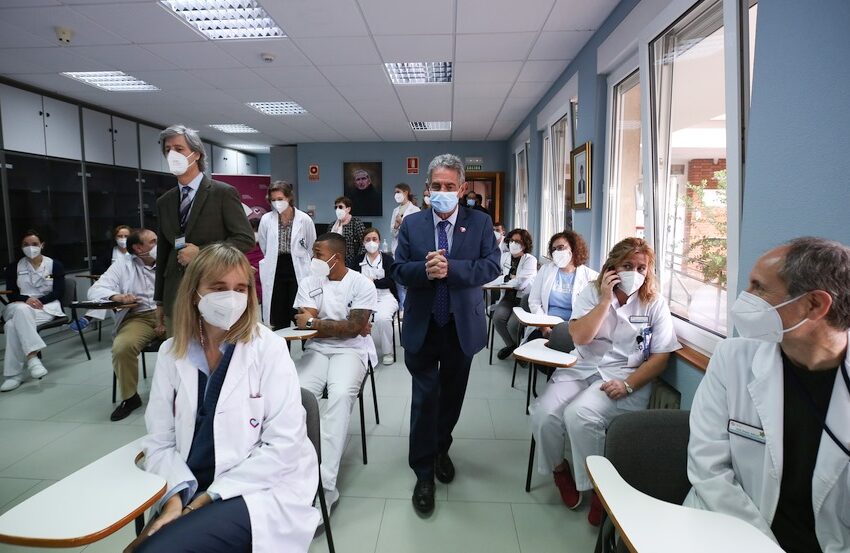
x=277 y=108
x=419 y=72
x=113 y=81
x=226 y=19
x=431 y=125
x=256 y=147
x=234 y=128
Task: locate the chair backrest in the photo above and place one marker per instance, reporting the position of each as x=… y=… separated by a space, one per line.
x=560 y=339
x=70 y=294
x=650 y=451
x=311 y=406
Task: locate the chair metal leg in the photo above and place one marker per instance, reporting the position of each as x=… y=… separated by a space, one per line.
x=399 y=322
x=528 y=388
x=99 y=331
x=530 y=466
x=513 y=378
x=374 y=393
x=144 y=367
x=140 y=524
x=534 y=383
x=326 y=517
x=80 y=332
x=491 y=333
x=362 y=427
x=114 y=385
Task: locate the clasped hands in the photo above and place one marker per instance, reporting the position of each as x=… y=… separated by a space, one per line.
x=436 y=265
x=171 y=511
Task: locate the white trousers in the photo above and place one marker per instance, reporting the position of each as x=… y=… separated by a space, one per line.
x=342 y=373
x=577 y=413
x=21 y=336
x=382 y=327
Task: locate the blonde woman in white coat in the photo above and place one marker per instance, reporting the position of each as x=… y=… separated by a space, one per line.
x=559 y=283
x=519 y=267
x=770 y=439
x=406 y=206
x=286 y=237
x=226 y=428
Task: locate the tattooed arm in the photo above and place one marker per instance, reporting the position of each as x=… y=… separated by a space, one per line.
x=349 y=328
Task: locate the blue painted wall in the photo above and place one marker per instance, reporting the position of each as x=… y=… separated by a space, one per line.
x=264 y=164
x=330 y=157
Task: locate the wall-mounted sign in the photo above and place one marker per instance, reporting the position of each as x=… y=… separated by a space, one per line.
x=413 y=166
x=474 y=168
x=473 y=161
x=313 y=172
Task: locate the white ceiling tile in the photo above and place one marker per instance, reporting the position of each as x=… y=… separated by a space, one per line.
x=248 y=52
x=293 y=76
x=194 y=55
x=486 y=72
x=42 y=22
x=399 y=135
x=503 y=129
x=203 y=95
x=468 y=113
x=171 y=80
x=572 y=15
x=517 y=108
x=559 y=45
x=501 y=16
x=494 y=47
x=404 y=48
x=366 y=91
x=141 y=23
x=433 y=136
x=259 y=94
x=380 y=111
x=534 y=90
x=54 y=82
x=542 y=71
x=124 y=57
x=231 y=79
x=317 y=18
x=342 y=75
x=392 y=17
x=55 y=59
x=482 y=90
x=309 y=94
x=339 y=50
x=432 y=103
x=15 y=37
x=469 y=134
x=30 y=3
x=364 y=134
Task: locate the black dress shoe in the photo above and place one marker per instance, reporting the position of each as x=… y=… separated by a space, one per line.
x=505 y=352
x=125 y=408
x=423 y=497
x=444 y=468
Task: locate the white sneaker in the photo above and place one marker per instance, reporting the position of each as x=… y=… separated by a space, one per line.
x=388 y=359
x=10 y=384
x=37 y=370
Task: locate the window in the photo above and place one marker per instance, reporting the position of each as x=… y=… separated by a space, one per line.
x=555 y=200
x=690 y=179
x=113 y=196
x=625 y=203
x=547 y=217
x=154 y=185
x=521 y=206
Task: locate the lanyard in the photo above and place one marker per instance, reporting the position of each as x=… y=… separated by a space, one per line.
x=822 y=416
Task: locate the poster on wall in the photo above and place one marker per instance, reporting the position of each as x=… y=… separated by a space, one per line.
x=581 y=178
x=363 y=186
x=252 y=193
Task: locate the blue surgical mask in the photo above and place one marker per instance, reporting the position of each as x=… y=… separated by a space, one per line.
x=470 y=203
x=444 y=202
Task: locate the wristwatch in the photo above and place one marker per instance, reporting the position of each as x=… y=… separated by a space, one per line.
x=629 y=389
x=309 y=323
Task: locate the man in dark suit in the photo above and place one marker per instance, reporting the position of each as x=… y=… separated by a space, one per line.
x=444 y=255
x=197 y=212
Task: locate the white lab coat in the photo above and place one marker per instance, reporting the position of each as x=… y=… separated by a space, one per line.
x=300 y=247
x=409 y=210
x=525 y=271
x=120 y=278
x=741 y=477
x=272 y=465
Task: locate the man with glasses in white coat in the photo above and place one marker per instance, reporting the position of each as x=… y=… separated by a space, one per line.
x=770 y=438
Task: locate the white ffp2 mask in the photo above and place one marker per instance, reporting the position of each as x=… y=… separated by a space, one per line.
x=223 y=309
x=280 y=205
x=371 y=246
x=630 y=281
x=178 y=164
x=31 y=251
x=755 y=318
x=562 y=258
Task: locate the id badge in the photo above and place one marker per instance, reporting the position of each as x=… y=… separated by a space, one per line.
x=747 y=431
x=180 y=242
x=315 y=293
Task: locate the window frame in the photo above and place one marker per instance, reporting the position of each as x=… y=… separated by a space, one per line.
x=736 y=96
x=520 y=221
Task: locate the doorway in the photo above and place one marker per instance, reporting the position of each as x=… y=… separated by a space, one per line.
x=489 y=186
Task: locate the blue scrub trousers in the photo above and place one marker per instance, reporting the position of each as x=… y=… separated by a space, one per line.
x=220 y=527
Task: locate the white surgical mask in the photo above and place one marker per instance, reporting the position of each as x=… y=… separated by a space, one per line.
x=514 y=248
x=152 y=253
x=178 y=164
x=562 y=258
x=444 y=202
x=630 y=281
x=399 y=197
x=31 y=251
x=340 y=213
x=427 y=200
x=320 y=268
x=755 y=318
x=223 y=309
x=280 y=205
x=371 y=247
x=122 y=242
x=470 y=203
x=498 y=235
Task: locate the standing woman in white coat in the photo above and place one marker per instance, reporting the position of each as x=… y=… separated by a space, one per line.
x=37 y=283
x=406 y=206
x=519 y=267
x=624 y=334
x=286 y=236
x=559 y=283
x=376 y=266
x=226 y=428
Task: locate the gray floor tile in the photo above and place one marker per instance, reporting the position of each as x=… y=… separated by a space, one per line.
x=21 y=438
x=509 y=419
x=544 y=529
x=40 y=400
x=475 y=421
x=12 y=488
x=355 y=523
x=391 y=410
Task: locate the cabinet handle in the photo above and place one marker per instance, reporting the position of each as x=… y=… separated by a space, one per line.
x=41 y=113
x=47 y=115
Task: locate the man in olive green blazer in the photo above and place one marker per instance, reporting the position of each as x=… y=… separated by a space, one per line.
x=195 y=213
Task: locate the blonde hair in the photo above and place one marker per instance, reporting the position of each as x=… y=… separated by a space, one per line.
x=618 y=255
x=212 y=263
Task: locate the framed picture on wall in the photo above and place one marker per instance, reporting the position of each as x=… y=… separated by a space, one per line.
x=580 y=164
x=363 y=181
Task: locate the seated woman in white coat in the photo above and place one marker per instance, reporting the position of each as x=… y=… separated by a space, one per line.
x=286 y=237
x=37 y=283
x=770 y=439
x=375 y=266
x=559 y=283
x=624 y=334
x=519 y=267
x=406 y=206
x=226 y=428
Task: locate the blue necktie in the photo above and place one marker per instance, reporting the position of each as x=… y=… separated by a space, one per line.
x=185 y=205
x=441 y=297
